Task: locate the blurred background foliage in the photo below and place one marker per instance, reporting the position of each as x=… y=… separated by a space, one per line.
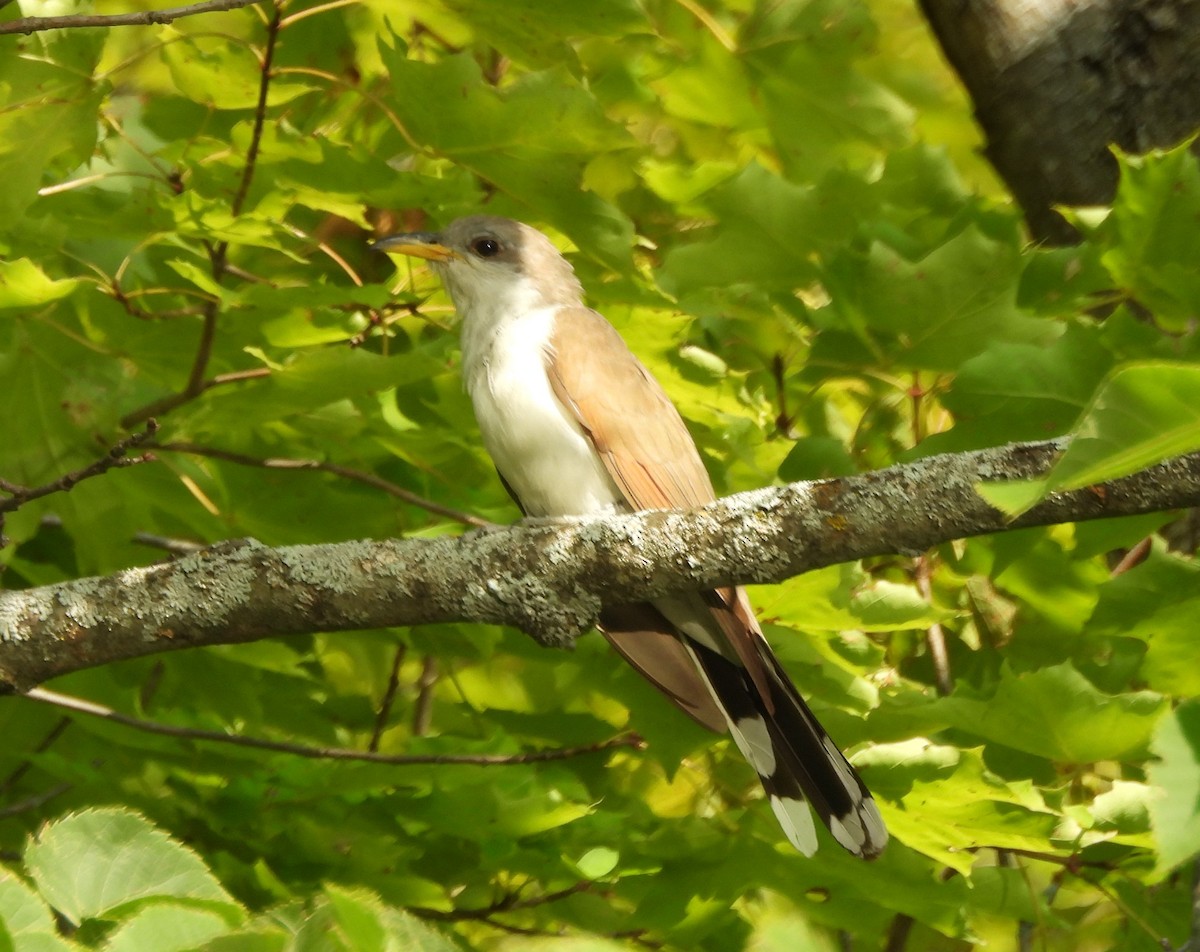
x=782 y=206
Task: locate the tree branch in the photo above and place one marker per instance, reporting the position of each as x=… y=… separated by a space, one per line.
x=81 y=706
x=548 y=578
x=219 y=253
x=346 y=472
x=115 y=457
x=29 y=25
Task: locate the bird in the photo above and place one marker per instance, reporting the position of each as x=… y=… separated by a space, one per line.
x=575 y=424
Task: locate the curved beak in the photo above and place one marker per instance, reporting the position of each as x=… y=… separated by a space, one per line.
x=418 y=244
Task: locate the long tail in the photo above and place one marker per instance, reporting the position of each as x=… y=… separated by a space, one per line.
x=795 y=759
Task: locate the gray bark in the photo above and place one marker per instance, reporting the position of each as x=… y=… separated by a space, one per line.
x=546 y=578
x=1056 y=82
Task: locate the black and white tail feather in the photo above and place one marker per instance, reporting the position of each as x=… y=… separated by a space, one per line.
x=795 y=759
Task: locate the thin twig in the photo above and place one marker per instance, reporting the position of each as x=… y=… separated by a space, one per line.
x=219 y=253
x=1134 y=557
x=165 y=404
x=935 y=634
x=720 y=34
x=23 y=768
x=167 y=544
x=345 y=472
x=35 y=801
x=1025 y=928
x=423 y=709
x=898 y=932
x=81 y=706
x=260 y=110
x=115 y=457
x=314 y=11
x=783 y=419
x=389 y=697
x=508 y=903
x=29 y=25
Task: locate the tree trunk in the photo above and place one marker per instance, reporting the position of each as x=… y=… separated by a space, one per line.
x=1056 y=82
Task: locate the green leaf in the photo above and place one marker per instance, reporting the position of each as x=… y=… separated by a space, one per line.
x=1176 y=815
x=1125 y=808
x=26 y=922
x=1157 y=601
x=360 y=918
x=252 y=941
x=314 y=379
x=937 y=312
x=597 y=863
x=770 y=231
x=1056 y=713
x=843 y=597
x=1014 y=496
x=537 y=33
x=818 y=103
x=816 y=457
x=1039 y=567
x=1014 y=392
x=24 y=284
x=354 y=920
x=166 y=927
x=20 y=908
x=217 y=72
x=88 y=864
x=962 y=804
x=1155 y=245
x=47 y=125
x=1140 y=415
x=529 y=140
x=563 y=944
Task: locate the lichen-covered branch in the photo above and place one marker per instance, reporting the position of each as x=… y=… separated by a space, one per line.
x=547 y=578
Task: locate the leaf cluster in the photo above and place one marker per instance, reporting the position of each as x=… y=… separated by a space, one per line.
x=780 y=206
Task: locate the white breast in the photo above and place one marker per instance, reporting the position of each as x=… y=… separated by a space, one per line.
x=536 y=444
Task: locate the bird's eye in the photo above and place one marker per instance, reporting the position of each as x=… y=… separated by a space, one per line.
x=486 y=247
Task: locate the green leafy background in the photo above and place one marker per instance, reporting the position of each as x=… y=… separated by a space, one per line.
x=782 y=207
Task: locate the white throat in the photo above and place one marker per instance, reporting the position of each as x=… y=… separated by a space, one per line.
x=536 y=443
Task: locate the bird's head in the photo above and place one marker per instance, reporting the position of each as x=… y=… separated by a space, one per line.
x=484 y=260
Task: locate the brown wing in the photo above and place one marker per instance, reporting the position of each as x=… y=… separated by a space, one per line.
x=632 y=423
x=648 y=643
x=650 y=455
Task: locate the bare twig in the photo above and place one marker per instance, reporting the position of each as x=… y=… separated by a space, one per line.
x=29 y=25
x=389 y=697
x=81 y=706
x=168 y=403
x=898 y=931
x=423 y=708
x=44 y=744
x=346 y=472
x=783 y=419
x=1134 y=557
x=508 y=903
x=116 y=457
x=219 y=253
x=260 y=109
x=35 y=801
x=173 y=546
x=935 y=634
x=1025 y=928
x=1193 y=942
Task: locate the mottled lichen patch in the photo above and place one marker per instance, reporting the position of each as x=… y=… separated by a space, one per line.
x=334 y=568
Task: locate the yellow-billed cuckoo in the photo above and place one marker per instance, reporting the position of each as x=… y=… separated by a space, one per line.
x=575 y=424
